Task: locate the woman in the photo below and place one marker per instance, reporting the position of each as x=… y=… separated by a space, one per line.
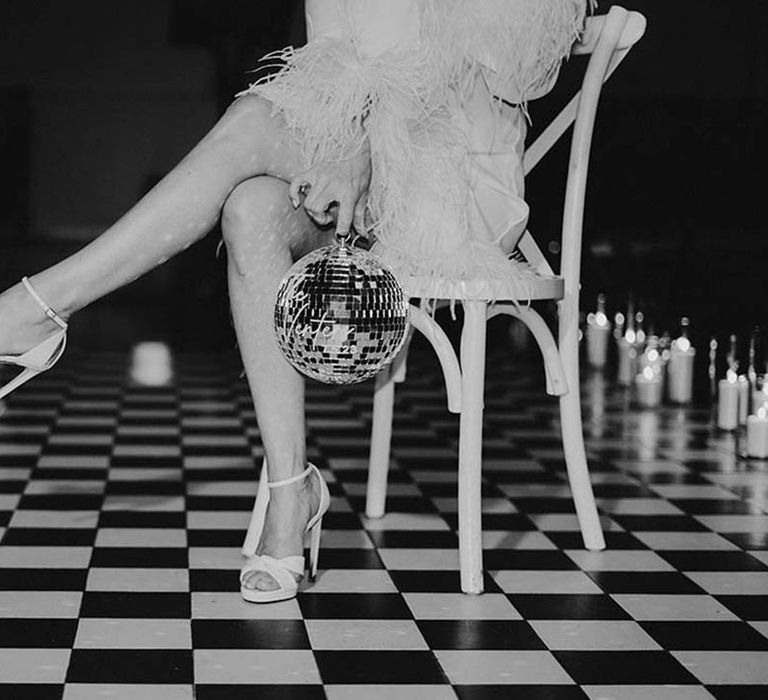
x=389 y=116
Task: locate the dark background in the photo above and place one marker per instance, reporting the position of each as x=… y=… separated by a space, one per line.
x=98 y=100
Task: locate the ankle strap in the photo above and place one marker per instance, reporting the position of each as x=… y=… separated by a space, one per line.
x=49 y=312
x=293 y=479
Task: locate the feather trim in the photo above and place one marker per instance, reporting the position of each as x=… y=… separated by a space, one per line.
x=408 y=102
x=518 y=45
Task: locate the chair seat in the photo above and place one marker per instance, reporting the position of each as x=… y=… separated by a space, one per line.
x=529 y=286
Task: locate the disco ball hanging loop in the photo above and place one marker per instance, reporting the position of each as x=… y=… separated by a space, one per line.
x=340 y=314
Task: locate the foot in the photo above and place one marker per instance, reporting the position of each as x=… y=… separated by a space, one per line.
x=290 y=509
x=22 y=322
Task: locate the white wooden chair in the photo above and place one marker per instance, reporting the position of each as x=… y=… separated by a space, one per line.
x=608 y=38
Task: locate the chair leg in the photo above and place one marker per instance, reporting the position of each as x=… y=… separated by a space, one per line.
x=381 y=436
x=573 y=445
x=470 y=446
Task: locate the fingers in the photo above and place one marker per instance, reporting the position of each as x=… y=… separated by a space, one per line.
x=298 y=187
x=345 y=216
x=317 y=203
x=358 y=218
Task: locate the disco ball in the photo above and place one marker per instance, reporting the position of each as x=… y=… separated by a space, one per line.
x=340 y=315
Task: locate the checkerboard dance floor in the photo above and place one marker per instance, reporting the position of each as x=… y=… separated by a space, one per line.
x=123 y=508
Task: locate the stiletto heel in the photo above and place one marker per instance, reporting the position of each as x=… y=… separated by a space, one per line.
x=284 y=570
x=314 y=548
x=41 y=357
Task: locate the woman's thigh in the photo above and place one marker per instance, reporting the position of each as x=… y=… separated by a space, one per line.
x=251 y=139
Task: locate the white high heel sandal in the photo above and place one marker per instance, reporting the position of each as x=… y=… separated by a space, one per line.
x=282 y=570
x=41 y=357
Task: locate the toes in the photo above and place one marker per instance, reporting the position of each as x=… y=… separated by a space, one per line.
x=260 y=581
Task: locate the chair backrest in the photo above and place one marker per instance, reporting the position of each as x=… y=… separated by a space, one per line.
x=608 y=38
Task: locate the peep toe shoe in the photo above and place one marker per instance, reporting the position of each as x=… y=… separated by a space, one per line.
x=286 y=569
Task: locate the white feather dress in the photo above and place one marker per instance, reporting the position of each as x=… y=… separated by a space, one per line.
x=438 y=87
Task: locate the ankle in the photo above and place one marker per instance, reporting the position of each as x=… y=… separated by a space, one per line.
x=23 y=323
x=291 y=471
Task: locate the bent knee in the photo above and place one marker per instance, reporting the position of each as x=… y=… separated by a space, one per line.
x=256 y=199
x=251 y=218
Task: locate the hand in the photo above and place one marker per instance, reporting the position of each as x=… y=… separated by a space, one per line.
x=335 y=190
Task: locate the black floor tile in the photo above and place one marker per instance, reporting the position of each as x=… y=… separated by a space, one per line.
x=418 y=539
x=713 y=561
x=524 y=692
x=354 y=606
x=527 y=560
x=749 y=540
x=515 y=522
x=145 y=488
x=624 y=667
x=436 y=581
x=43 y=579
x=259 y=692
x=43 y=537
x=143 y=557
x=374 y=667
x=613 y=540
x=738 y=692
x=659 y=523
x=136 y=605
x=582 y=606
x=130 y=666
x=342 y=558
x=668 y=582
x=209 y=503
x=31 y=691
x=37 y=633
x=147 y=519
x=714 y=506
x=215 y=538
x=60 y=501
x=479 y=634
x=213 y=580
x=711 y=636
x=747 y=607
x=249 y=634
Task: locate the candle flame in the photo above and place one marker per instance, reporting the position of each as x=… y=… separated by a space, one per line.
x=629 y=336
x=683 y=344
x=601 y=319
x=731 y=376
x=762 y=412
x=648 y=373
x=653 y=355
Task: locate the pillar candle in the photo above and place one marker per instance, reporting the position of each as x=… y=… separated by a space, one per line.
x=757 y=434
x=680 y=371
x=627 y=361
x=745 y=399
x=151 y=364
x=728 y=402
x=649 y=385
x=760 y=395
x=597 y=342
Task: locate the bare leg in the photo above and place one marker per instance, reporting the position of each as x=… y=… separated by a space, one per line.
x=264 y=235
x=185 y=204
